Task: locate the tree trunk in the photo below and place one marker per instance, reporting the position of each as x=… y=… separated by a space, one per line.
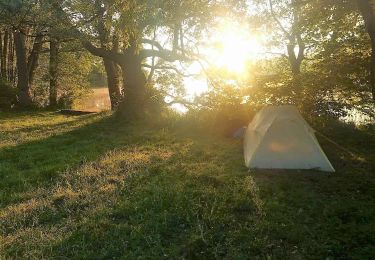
x=24 y=93
x=33 y=59
x=113 y=82
x=53 y=72
x=295 y=66
x=1 y=54
x=4 y=56
x=366 y=8
x=134 y=82
x=11 y=54
x=111 y=67
x=295 y=61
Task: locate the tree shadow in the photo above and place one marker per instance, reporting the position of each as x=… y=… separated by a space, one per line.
x=191 y=212
x=170 y=196
x=40 y=162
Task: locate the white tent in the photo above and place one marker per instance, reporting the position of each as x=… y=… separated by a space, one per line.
x=279 y=138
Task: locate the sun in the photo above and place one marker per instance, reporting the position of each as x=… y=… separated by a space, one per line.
x=233 y=47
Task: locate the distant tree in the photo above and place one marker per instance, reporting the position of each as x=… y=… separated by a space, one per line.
x=29 y=30
x=283 y=21
x=20 y=17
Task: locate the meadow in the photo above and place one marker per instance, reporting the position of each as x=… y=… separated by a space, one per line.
x=94 y=187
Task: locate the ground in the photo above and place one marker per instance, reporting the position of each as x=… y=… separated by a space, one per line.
x=97 y=100
x=93 y=187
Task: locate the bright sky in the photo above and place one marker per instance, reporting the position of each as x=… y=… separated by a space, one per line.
x=230 y=47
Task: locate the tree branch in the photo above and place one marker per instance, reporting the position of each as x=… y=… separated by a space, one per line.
x=277 y=20
x=180 y=100
x=101 y=52
x=152 y=71
x=169 y=68
x=166 y=55
x=301 y=48
x=153 y=43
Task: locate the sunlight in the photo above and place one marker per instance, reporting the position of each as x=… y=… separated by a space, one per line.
x=231 y=47
x=234 y=46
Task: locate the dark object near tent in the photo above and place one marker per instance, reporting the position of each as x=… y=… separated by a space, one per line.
x=239 y=133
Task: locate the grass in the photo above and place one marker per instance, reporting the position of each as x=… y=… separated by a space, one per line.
x=92 y=187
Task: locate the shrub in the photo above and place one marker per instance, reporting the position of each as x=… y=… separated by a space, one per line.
x=8 y=94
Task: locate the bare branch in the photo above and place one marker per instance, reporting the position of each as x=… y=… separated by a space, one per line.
x=277 y=20
x=101 y=52
x=152 y=71
x=169 y=68
x=166 y=55
x=153 y=43
x=180 y=100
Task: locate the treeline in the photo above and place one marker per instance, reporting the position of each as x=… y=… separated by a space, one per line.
x=126 y=35
x=320 y=56
x=42 y=63
x=325 y=58
x=7 y=54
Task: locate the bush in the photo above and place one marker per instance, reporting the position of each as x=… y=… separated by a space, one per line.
x=8 y=94
x=223 y=110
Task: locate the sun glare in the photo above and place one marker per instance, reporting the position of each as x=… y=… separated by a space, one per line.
x=230 y=47
x=234 y=47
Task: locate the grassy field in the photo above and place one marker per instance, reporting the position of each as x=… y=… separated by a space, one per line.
x=92 y=187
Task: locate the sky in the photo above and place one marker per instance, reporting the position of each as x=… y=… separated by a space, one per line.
x=230 y=47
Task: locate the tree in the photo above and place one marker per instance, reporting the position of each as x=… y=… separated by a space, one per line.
x=366 y=8
x=293 y=35
x=53 y=71
x=28 y=38
x=284 y=22
x=133 y=22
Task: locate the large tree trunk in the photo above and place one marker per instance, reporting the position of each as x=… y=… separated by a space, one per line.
x=53 y=72
x=111 y=68
x=134 y=82
x=24 y=92
x=366 y=8
x=113 y=81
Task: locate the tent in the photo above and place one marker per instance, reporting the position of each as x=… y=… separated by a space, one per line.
x=279 y=138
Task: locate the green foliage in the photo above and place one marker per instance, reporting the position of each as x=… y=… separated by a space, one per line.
x=8 y=94
x=114 y=190
x=223 y=109
x=97 y=77
x=335 y=71
x=75 y=69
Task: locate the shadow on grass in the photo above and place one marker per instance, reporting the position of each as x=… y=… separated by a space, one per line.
x=359 y=141
x=39 y=162
x=163 y=195
x=202 y=204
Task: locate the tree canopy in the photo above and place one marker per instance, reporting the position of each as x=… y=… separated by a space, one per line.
x=317 y=54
